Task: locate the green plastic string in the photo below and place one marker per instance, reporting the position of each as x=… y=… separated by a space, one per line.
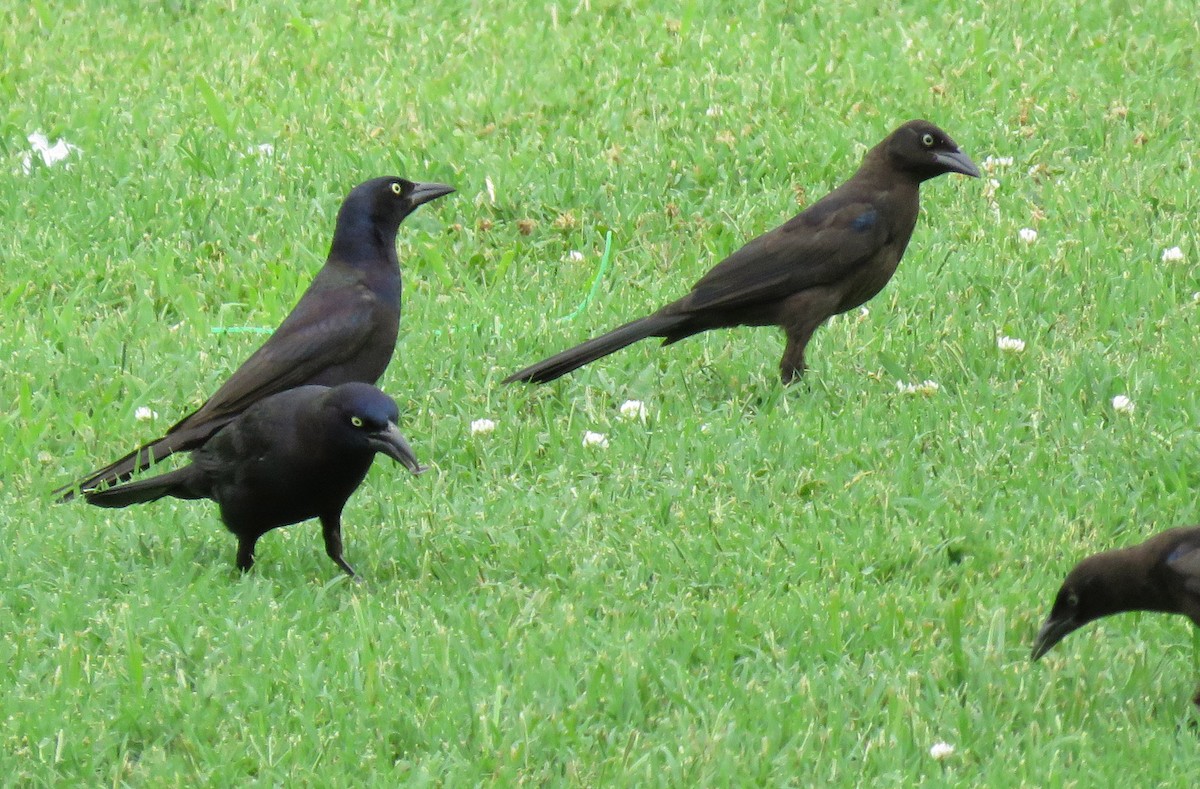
x=241 y=330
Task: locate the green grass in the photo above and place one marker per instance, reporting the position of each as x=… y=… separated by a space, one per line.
x=802 y=586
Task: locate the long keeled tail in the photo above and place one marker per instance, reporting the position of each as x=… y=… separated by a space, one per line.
x=181 y=440
x=179 y=483
x=560 y=364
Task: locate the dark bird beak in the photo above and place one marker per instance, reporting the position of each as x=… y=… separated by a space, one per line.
x=957 y=162
x=423 y=193
x=1052 y=632
x=393 y=444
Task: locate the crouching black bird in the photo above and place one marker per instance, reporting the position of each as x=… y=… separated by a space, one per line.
x=834 y=256
x=293 y=456
x=1161 y=574
x=343 y=328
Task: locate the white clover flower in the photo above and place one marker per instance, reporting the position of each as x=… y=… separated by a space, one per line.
x=1122 y=404
x=1010 y=344
x=1172 y=255
x=992 y=163
x=633 y=409
x=144 y=414
x=575 y=256
x=591 y=439
x=940 y=750
x=926 y=387
x=1027 y=235
x=481 y=427
x=51 y=154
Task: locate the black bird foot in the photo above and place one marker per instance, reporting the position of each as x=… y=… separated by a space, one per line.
x=245 y=555
x=791 y=371
x=340 y=562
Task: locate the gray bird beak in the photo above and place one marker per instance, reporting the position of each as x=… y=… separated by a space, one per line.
x=1052 y=632
x=957 y=162
x=423 y=193
x=393 y=444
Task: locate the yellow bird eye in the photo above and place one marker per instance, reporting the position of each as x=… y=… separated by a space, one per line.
x=927 y=140
x=356 y=421
x=397 y=189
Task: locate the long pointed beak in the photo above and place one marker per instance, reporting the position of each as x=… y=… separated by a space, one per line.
x=423 y=193
x=1052 y=632
x=393 y=444
x=957 y=162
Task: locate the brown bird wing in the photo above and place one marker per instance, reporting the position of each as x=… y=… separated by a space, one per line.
x=327 y=328
x=1185 y=562
x=818 y=247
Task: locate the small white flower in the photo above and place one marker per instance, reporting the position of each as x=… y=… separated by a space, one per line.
x=714 y=111
x=863 y=311
x=51 y=154
x=265 y=149
x=575 y=256
x=1027 y=234
x=1010 y=344
x=1196 y=296
x=591 y=439
x=144 y=414
x=940 y=750
x=926 y=387
x=1172 y=255
x=1122 y=404
x=633 y=409
x=481 y=427
x=993 y=163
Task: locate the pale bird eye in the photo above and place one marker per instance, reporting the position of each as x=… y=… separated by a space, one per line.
x=396 y=189
x=927 y=140
x=354 y=420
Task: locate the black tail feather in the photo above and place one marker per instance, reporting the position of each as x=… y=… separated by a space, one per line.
x=560 y=364
x=180 y=483
x=143 y=457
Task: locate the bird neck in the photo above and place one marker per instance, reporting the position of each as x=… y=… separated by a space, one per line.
x=1128 y=583
x=881 y=172
x=360 y=241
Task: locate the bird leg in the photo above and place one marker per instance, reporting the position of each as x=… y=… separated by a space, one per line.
x=245 y=554
x=792 y=365
x=1196 y=661
x=331 y=527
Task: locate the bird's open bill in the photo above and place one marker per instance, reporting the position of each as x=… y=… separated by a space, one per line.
x=392 y=443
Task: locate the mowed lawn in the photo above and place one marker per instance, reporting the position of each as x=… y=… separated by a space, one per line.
x=756 y=585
